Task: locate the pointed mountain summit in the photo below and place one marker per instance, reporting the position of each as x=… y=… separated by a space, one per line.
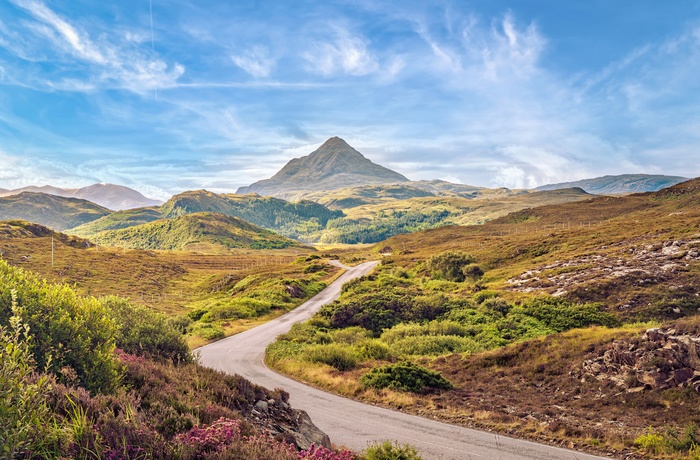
x=332 y=166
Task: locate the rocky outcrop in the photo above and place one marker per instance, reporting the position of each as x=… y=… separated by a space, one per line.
x=660 y=359
x=645 y=264
x=277 y=417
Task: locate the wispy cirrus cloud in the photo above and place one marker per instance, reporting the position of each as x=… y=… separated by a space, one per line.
x=256 y=61
x=109 y=62
x=341 y=53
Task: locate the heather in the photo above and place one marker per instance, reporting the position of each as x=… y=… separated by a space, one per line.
x=89 y=378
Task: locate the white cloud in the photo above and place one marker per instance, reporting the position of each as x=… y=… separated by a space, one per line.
x=344 y=54
x=106 y=63
x=256 y=61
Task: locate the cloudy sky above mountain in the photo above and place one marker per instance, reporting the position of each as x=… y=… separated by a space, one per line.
x=166 y=96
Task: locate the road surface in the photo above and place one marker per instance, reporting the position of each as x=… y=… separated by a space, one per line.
x=356 y=425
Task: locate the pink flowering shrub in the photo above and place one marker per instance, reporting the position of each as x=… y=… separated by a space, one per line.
x=220 y=434
x=321 y=453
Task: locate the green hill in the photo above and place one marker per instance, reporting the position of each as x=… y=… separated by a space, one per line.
x=58 y=213
x=194 y=231
x=118 y=220
x=384 y=218
x=294 y=220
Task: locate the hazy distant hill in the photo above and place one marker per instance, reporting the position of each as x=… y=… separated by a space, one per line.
x=59 y=213
x=195 y=231
x=616 y=185
x=332 y=166
x=115 y=197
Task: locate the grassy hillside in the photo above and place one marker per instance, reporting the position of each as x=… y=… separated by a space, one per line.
x=174 y=282
x=117 y=221
x=506 y=325
x=294 y=220
x=198 y=230
x=55 y=212
x=385 y=217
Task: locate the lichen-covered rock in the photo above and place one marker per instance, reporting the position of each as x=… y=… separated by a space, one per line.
x=659 y=359
x=293 y=425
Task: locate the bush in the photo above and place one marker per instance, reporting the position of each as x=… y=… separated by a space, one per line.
x=435 y=345
x=26 y=421
x=480 y=296
x=333 y=354
x=472 y=272
x=651 y=443
x=208 y=331
x=70 y=332
x=389 y=451
x=404 y=376
x=374 y=349
x=144 y=332
x=450 y=265
x=561 y=315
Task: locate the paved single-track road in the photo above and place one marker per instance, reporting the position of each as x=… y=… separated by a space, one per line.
x=354 y=424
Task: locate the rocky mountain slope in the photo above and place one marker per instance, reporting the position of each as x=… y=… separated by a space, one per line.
x=111 y=196
x=617 y=185
x=332 y=166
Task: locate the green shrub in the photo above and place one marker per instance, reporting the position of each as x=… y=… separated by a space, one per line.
x=480 y=296
x=651 y=443
x=245 y=307
x=283 y=349
x=450 y=265
x=335 y=355
x=561 y=315
x=208 y=331
x=497 y=306
x=435 y=345
x=389 y=451
x=350 y=335
x=144 y=332
x=26 y=422
x=472 y=272
x=404 y=376
x=374 y=349
x=70 y=332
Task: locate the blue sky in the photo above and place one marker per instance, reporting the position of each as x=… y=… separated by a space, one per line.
x=216 y=95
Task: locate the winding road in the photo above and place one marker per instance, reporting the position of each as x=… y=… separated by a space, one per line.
x=353 y=424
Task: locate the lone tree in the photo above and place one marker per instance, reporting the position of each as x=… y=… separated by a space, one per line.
x=454 y=266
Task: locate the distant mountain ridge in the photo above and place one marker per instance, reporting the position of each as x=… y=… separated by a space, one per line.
x=111 y=196
x=332 y=166
x=621 y=184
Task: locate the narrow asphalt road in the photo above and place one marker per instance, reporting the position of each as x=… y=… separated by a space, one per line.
x=353 y=424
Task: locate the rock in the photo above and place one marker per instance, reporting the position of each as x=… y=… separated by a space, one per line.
x=680 y=376
x=308 y=433
x=261 y=406
x=660 y=360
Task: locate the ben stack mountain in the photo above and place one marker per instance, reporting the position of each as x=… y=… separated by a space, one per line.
x=332 y=166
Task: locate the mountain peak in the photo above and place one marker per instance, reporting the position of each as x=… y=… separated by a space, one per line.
x=334 y=165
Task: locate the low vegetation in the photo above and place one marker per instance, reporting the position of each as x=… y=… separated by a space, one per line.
x=508 y=313
x=135 y=392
